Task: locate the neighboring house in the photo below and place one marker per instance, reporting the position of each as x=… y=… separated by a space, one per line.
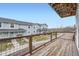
x=13 y=28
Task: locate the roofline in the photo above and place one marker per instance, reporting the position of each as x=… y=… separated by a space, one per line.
x=19 y=22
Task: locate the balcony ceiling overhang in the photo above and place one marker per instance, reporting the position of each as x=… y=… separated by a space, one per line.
x=64 y=9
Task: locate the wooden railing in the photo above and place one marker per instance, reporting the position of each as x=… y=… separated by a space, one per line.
x=30 y=41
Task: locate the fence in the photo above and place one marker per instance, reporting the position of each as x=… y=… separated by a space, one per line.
x=23 y=45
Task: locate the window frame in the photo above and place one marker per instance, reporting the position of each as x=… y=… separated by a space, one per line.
x=0 y=24
x=11 y=25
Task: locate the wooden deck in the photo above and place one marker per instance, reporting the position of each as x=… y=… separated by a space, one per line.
x=63 y=46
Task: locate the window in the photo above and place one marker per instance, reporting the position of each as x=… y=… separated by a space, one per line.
x=34 y=27
x=11 y=32
x=0 y=33
x=0 y=24
x=5 y=33
x=28 y=26
x=34 y=31
x=12 y=25
x=28 y=31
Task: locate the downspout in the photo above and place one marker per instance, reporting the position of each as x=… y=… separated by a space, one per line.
x=77 y=26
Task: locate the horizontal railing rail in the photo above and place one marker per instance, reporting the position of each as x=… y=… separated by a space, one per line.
x=24 y=36
x=34 y=35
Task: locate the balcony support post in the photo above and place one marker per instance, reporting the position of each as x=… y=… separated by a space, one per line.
x=30 y=45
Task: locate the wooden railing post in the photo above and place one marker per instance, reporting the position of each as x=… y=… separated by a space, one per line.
x=30 y=45
x=74 y=36
x=51 y=37
x=56 y=35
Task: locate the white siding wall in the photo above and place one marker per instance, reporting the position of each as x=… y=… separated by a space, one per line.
x=16 y=26
x=36 y=28
x=7 y=26
x=32 y=30
x=77 y=26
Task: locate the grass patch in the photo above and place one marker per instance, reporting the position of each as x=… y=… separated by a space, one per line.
x=21 y=41
x=40 y=38
x=5 y=45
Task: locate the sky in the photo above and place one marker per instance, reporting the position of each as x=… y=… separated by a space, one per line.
x=35 y=13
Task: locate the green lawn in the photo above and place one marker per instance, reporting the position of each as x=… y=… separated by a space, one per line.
x=4 y=45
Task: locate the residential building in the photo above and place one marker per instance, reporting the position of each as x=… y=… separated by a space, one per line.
x=13 y=28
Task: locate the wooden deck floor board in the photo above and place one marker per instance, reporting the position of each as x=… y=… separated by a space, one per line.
x=63 y=46
x=74 y=49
